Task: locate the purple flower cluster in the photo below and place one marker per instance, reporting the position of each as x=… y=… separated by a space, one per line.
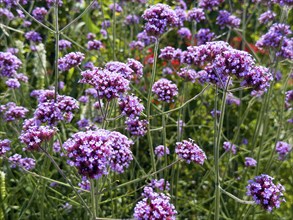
x=4 y=146
x=115 y=7
x=64 y=44
x=123 y=69
x=225 y=19
x=9 y=64
x=39 y=13
x=160 y=151
x=131 y=19
x=91 y=152
x=196 y=14
x=26 y=163
x=33 y=36
x=10 y=3
x=50 y=3
x=231 y=99
x=165 y=90
x=130 y=106
x=265 y=193
x=5 y=12
x=184 y=33
x=70 y=60
x=188 y=74
x=108 y=84
x=136 y=66
x=154 y=205
x=210 y=4
x=189 y=151
x=167 y=53
x=277 y=37
x=12 y=112
x=136 y=127
x=288 y=99
x=204 y=35
x=159 y=17
x=12 y=83
x=182 y=16
x=160 y=184
x=228 y=146
x=94 y=45
x=33 y=136
x=266 y=17
x=85 y=184
x=283 y=2
x=283 y=149
x=250 y=162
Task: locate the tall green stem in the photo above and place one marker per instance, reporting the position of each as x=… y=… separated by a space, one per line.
x=93 y=198
x=56 y=48
x=149 y=137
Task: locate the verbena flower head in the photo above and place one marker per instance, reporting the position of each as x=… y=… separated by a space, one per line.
x=136 y=66
x=39 y=13
x=33 y=136
x=121 y=68
x=167 y=70
x=288 y=99
x=136 y=127
x=70 y=60
x=196 y=14
x=165 y=90
x=160 y=151
x=121 y=154
x=225 y=19
x=210 y=4
x=250 y=162
x=115 y=7
x=9 y=64
x=12 y=83
x=190 y=152
x=130 y=106
x=283 y=149
x=159 y=17
x=266 y=17
x=228 y=146
x=188 y=74
x=108 y=84
x=33 y=36
x=131 y=20
x=154 y=206
x=12 y=112
x=167 y=53
x=231 y=99
x=94 y=45
x=283 y=2
x=4 y=146
x=204 y=35
x=7 y=13
x=85 y=184
x=182 y=16
x=184 y=33
x=265 y=193
x=26 y=163
x=64 y=44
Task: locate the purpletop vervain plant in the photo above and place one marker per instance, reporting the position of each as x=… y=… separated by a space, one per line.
x=130 y=106
x=250 y=162
x=283 y=149
x=210 y=4
x=196 y=14
x=136 y=127
x=4 y=146
x=165 y=90
x=9 y=64
x=225 y=19
x=160 y=151
x=70 y=60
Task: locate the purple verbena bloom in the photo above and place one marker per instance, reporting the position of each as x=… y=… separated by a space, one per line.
x=50 y=3
x=250 y=162
x=115 y=7
x=210 y=4
x=167 y=53
x=89 y=65
x=4 y=146
x=136 y=66
x=64 y=44
x=90 y=36
x=85 y=184
x=9 y=64
x=158 y=18
x=123 y=69
x=21 y=77
x=283 y=149
x=121 y=154
x=190 y=152
x=225 y=19
x=12 y=50
x=131 y=20
x=231 y=99
x=266 y=17
x=106 y=24
x=33 y=36
x=5 y=12
x=188 y=74
x=26 y=163
x=83 y=123
x=33 y=136
x=104 y=33
x=108 y=84
x=139 y=45
x=136 y=127
x=167 y=71
x=145 y=38
x=91 y=92
x=215 y=113
x=165 y=90
x=265 y=193
x=83 y=99
x=184 y=33
x=160 y=184
x=196 y=14
x=56 y=147
x=27 y=23
x=228 y=146
x=160 y=151
x=12 y=83
x=11 y=3
x=70 y=60
x=94 y=45
x=182 y=16
x=283 y=2
x=39 y=13
x=130 y=106
x=13 y=112
x=204 y=35
x=288 y=99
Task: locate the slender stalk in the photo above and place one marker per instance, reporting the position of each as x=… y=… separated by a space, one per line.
x=217 y=141
x=149 y=137
x=93 y=198
x=236 y=198
x=56 y=11
x=114 y=30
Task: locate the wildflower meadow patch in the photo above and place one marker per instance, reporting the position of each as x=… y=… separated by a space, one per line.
x=144 y=109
